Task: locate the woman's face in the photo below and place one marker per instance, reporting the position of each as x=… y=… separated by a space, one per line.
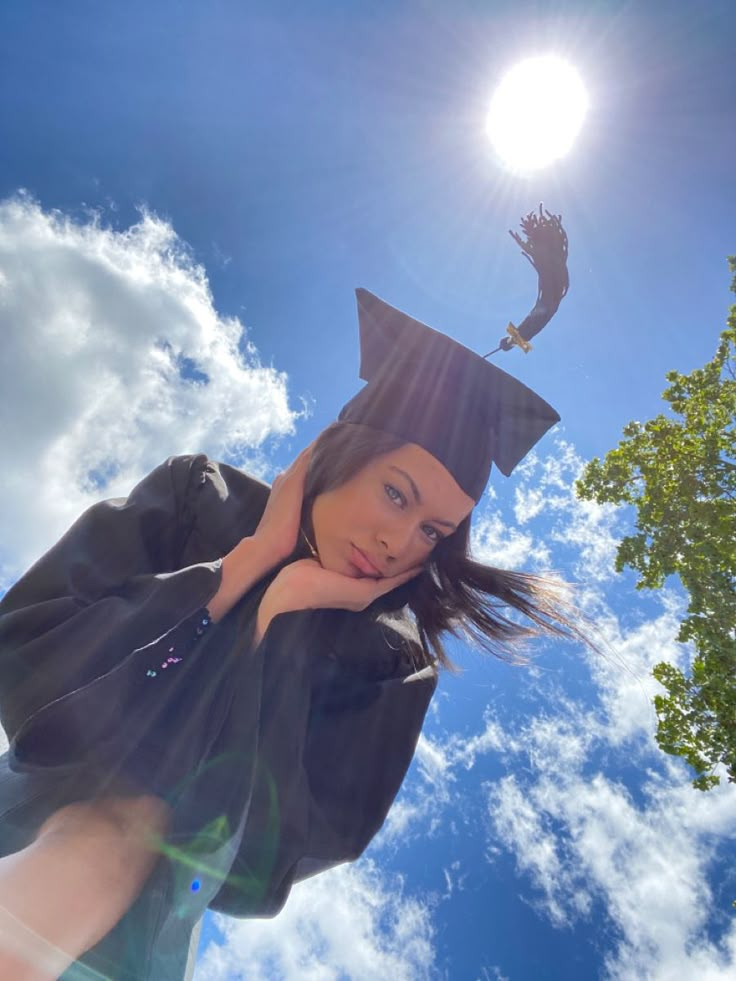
x=389 y=516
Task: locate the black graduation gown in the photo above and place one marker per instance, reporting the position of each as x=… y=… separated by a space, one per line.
x=279 y=761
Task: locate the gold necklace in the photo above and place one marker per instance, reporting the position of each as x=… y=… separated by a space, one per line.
x=311 y=547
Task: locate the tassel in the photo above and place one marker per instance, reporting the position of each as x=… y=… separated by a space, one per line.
x=545 y=246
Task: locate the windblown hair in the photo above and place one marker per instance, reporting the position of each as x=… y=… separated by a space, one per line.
x=455 y=594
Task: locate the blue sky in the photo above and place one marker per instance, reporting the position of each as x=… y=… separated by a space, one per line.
x=194 y=190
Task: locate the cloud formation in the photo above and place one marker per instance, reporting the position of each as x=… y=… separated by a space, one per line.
x=114 y=358
x=352 y=922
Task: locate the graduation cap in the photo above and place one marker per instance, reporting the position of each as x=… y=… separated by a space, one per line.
x=429 y=389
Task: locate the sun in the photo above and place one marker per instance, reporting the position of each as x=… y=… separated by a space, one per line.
x=536 y=113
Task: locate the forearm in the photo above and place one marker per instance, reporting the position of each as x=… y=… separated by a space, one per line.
x=273 y=602
x=248 y=562
x=306 y=585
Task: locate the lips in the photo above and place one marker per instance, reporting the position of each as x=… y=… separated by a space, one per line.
x=363 y=563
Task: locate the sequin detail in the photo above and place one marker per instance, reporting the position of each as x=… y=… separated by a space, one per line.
x=203 y=622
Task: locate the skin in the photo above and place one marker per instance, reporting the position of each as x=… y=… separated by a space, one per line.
x=375 y=511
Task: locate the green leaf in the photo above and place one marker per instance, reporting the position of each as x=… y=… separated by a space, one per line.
x=678 y=471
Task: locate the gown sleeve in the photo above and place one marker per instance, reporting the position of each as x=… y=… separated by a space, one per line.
x=108 y=588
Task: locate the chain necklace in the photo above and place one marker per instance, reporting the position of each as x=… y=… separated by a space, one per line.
x=311 y=547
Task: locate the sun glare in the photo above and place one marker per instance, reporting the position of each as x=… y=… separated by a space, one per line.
x=536 y=113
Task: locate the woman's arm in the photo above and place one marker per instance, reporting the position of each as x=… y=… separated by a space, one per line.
x=111 y=585
x=306 y=585
x=248 y=562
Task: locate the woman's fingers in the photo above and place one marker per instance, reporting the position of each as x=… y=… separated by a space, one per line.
x=301 y=464
x=278 y=528
x=305 y=584
x=373 y=588
x=391 y=582
x=298 y=467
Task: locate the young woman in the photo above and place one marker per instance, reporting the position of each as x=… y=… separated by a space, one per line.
x=214 y=688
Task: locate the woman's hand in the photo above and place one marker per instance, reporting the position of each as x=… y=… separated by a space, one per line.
x=306 y=585
x=273 y=541
x=278 y=528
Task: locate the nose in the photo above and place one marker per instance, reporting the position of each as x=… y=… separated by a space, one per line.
x=395 y=541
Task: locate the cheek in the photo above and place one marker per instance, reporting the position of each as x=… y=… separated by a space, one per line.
x=419 y=552
x=322 y=512
x=360 y=515
x=337 y=513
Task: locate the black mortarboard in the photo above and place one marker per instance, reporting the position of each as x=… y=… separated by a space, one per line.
x=428 y=389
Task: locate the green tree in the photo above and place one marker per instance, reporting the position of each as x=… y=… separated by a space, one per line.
x=679 y=472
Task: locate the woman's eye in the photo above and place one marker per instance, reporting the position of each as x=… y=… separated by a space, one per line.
x=432 y=533
x=396 y=496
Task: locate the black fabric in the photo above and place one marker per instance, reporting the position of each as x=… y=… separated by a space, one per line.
x=110 y=585
x=427 y=388
x=279 y=761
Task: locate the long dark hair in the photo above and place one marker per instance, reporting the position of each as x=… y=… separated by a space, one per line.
x=455 y=594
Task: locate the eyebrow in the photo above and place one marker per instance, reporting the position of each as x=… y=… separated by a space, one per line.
x=418 y=496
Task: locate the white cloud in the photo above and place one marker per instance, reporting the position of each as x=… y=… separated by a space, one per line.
x=581 y=837
x=502 y=545
x=528 y=502
x=493 y=973
x=350 y=922
x=434 y=764
x=403 y=819
x=422 y=803
x=526 y=830
x=624 y=683
x=584 y=532
x=96 y=325
x=454 y=879
x=588 y=528
x=463 y=752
